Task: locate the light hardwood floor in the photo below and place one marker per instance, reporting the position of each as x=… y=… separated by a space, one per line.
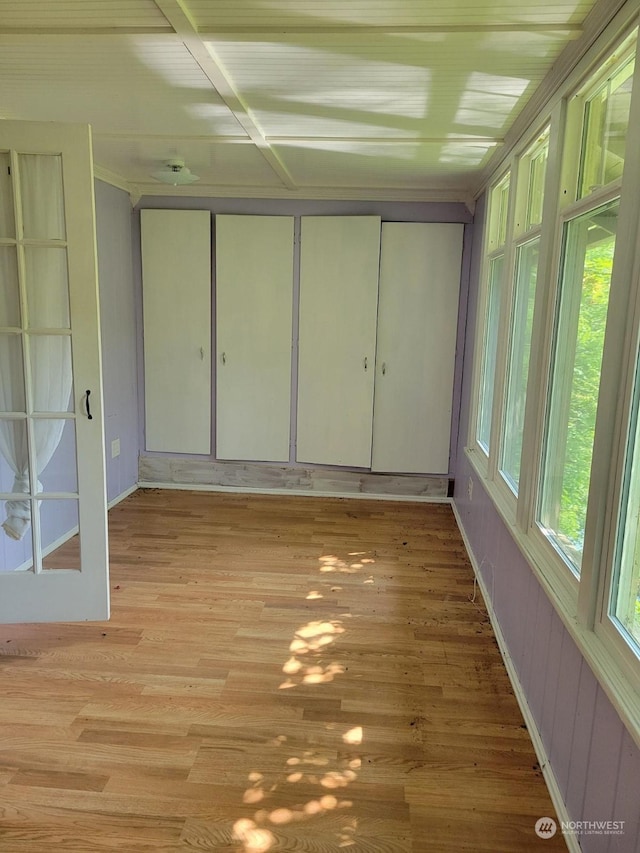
x=279 y=674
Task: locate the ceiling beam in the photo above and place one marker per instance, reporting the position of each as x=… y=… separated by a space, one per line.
x=277 y=140
x=178 y=16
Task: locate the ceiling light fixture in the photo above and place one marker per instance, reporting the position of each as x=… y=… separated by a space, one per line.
x=176 y=173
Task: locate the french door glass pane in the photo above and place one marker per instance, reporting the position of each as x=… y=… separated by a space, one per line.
x=518 y=364
x=42 y=197
x=47 y=284
x=485 y=402
x=12 y=398
x=14 y=456
x=16 y=554
x=55 y=442
x=51 y=375
x=7 y=220
x=587 y=262
x=59 y=525
x=9 y=291
x=605 y=131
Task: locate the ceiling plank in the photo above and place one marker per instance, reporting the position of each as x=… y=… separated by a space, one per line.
x=568 y=30
x=178 y=16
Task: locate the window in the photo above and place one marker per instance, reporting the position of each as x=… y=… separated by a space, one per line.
x=518 y=370
x=560 y=312
x=531 y=175
x=496 y=244
x=605 y=130
x=587 y=263
x=624 y=604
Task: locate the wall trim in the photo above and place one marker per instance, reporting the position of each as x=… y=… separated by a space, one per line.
x=123 y=495
x=301 y=493
x=280 y=478
x=536 y=739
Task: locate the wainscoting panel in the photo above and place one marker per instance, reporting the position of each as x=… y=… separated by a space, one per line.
x=258 y=477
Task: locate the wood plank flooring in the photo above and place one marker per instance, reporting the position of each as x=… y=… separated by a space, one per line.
x=280 y=675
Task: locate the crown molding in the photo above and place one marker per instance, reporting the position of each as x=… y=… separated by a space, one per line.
x=572 y=63
x=455 y=195
x=109 y=177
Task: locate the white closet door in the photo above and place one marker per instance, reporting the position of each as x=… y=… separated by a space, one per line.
x=176 y=287
x=254 y=292
x=417 y=324
x=338 y=304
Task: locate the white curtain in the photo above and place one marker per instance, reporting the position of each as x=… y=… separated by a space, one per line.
x=50 y=355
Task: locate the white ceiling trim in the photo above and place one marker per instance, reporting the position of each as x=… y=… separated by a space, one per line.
x=569 y=65
x=110 y=177
x=179 y=18
x=339 y=193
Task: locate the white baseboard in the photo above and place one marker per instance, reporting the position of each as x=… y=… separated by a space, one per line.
x=543 y=759
x=71 y=533
x=303 y=493
x=124 y=495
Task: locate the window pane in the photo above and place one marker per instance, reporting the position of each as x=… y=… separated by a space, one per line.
x=605 y=131
x=489 y=352
x=588 y=247
x=504 y=209
x=535 y=195
x=518 y=364
x=624 y=606
x=499 y=210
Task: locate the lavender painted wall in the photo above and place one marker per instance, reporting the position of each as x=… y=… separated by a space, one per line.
x=388 y=211
x=118 y=328
x=594 y=759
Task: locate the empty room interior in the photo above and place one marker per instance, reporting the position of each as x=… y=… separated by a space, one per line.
x=319 y=426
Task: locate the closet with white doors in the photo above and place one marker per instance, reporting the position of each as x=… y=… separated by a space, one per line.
x=176 y=306
x=339 y=259
x=416 y=346
x=254 y=306
x=377 y=324
x=378 y=321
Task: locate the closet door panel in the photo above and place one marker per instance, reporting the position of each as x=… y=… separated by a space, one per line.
x=176 y=287
x=254 y=292
x=417 y=325
x=338 y=305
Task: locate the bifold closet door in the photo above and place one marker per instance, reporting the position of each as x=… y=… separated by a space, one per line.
x=416 y=347
x=254 y=294
x=339 y=260
x=176 y=294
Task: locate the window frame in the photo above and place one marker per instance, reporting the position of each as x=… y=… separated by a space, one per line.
x=581 y=602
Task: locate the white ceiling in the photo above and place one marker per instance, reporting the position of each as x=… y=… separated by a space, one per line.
x=404 y=99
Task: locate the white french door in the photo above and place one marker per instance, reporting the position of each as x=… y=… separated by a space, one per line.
x=53 y=531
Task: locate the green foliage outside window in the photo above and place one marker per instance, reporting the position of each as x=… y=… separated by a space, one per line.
x=584 y=390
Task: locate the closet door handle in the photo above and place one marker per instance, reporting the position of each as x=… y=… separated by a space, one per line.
x=201 y=353
x=384 y=368
x=87 y=406
x=366 y=362
x=224 y=358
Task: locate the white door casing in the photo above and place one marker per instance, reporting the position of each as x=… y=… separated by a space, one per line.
x=70 y=582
